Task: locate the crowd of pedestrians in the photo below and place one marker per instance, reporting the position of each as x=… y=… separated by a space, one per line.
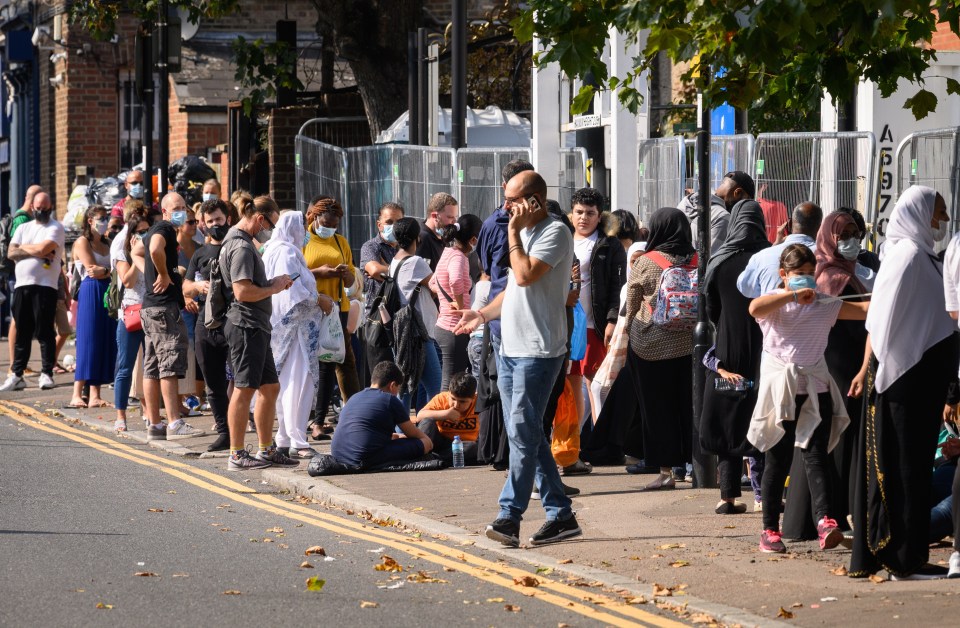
x=469 y=340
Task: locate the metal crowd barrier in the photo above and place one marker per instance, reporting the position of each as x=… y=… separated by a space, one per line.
x=661 y=174
x=930 y=158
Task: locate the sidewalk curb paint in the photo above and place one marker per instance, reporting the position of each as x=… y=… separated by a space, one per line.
x=328 y=494
x=170 y=447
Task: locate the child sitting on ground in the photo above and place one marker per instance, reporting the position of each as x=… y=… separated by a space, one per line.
x=452 y=413
x=798 y=404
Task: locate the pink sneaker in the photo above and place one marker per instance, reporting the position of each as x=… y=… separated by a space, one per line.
x=770 y=543
x=830 y=535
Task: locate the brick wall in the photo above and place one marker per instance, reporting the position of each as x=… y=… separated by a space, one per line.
x=284 y=124
x=944 y=38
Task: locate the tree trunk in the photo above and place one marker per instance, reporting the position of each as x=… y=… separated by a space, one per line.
x=371 y=36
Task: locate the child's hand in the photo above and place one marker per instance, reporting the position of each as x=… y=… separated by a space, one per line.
x=806 y=296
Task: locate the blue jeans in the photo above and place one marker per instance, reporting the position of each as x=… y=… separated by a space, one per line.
x=525 y=385
x=128 y=344
x=430 y=379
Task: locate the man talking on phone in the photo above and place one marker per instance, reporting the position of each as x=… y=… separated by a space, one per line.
x=533 y=343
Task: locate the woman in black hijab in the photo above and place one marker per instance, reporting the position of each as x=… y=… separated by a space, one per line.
x=659 y=357
x=725 y=417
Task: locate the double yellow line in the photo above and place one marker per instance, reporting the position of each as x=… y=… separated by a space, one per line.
x=611 y=611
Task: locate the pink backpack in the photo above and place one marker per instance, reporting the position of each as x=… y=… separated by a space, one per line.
x=678 y=294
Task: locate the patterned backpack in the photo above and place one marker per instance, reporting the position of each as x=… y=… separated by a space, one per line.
x=677 y=294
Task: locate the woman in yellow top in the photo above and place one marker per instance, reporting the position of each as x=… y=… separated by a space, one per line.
x=330 y=260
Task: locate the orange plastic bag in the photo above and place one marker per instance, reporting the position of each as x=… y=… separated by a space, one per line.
x=566 y=429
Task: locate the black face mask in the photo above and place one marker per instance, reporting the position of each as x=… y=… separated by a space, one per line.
x=43 y=216
x=218 y=232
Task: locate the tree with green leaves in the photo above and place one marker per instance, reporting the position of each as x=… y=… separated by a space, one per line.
x=776 y=54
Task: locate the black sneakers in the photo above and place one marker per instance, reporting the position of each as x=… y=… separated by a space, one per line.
x=505 y=531
x=554 y=531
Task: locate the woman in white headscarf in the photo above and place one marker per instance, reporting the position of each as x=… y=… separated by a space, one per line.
x=916 y=356
x=296 y=333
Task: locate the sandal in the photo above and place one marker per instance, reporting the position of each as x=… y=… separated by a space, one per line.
x=59 y=369
x=120 y=425
x=76 y=405
x=99 y=403
x=664 y=482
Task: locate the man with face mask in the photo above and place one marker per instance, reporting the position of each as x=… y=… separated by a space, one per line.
x=37 y=248
x=211 y=347
x=165 y=333
x=762 y=274
x=375 y=257
x=442 y=211
x=135 y=191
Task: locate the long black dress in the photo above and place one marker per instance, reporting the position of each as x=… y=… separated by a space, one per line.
x=844 y=356
x=725 y=417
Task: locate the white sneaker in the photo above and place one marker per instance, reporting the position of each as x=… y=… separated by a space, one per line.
x=14 y=382
x=182 y=428
x=954 y=565
x=46 y=382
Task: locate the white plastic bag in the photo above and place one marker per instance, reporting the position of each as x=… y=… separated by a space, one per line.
x=332 y=348
x=76 y=208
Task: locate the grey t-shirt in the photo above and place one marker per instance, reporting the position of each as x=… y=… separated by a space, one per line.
x=239 y=260
x=533 y=319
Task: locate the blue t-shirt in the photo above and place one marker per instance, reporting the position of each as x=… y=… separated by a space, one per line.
x=492 y=245
x=366 y=425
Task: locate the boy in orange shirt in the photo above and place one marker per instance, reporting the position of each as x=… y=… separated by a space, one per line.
x=452 y=413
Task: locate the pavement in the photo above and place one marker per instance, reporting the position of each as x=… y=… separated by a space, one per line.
x=667 y=546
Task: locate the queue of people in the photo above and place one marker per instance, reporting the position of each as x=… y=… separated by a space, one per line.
x=484 y=332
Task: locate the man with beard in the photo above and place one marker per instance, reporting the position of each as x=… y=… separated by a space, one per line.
x=37 y=248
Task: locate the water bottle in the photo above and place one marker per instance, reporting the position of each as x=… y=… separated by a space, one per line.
x=192 y=403
x=457 y=449
x=723 y=385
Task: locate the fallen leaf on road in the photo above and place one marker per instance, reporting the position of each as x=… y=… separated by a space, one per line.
x=376 y=551
x=565 y=561
x=672 y=546
x=392 y=586
x=729 y=527
x=315 y=584
x=224 y=529
x=365 y=604
x=104 y=606
x=78 y=591
x=268 y=540
x=796 y=605
x=634 y=558
x=495 y=600
x=563 y=625
x=545 y=570
x=661 y=591
x=316 y=549
x=874 y=578
x=680 y=563
x=306 y=565
x=146 y=574
x=638 y=599
x=283 y=546
x=276 y=530
x=839 y=571
x=388 y=564
x=422 y=577
x=527 y=581
x=172 y=492
x=512 y=608
x=784 y=613
x=221 y=506
x=449 y=569
x=702 y=618
x=418 y=508
x=154 y=509
x=828 y=599
x=231 y=592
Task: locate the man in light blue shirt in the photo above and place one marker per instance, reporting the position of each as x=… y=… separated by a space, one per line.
x=762 y=274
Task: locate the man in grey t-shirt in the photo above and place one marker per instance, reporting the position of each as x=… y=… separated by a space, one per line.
x=532 y=312
x=247 y=330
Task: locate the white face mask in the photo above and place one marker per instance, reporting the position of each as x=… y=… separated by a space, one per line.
x=941 y=231
x=849 y=248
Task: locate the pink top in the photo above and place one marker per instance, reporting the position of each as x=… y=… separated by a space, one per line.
x=798 y=334
x=453 y=275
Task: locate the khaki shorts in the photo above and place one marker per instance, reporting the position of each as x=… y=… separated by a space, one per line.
x=62 y=320
x=165 y=342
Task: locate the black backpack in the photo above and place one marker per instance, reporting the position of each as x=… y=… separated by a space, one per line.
x=378 y=332
x=215 y=308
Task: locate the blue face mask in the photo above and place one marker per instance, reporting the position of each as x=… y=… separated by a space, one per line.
x=802 y=281
x=387 y=234
x=178 y=218
x=136 y=190
x=209 y=197
x=326 y=232
x=306 y=239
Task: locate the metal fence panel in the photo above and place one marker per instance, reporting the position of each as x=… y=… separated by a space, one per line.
x=830 y=169
x=727 y=153
x=573 y=175
x=369 y=185
x=320 y=169
x=928 y=158
x=419 y=172
x=661 y=174
x=479 y=180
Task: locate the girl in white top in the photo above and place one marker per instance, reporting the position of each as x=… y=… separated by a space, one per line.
x=798 y=403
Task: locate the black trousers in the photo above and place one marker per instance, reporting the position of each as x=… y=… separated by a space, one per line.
x=442 y=446
x=213 y=355
x=730 y=469
x=815 y=460
x=34 y=310
x=453 y=354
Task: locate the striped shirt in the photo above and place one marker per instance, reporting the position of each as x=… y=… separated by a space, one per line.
x=798 y=334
